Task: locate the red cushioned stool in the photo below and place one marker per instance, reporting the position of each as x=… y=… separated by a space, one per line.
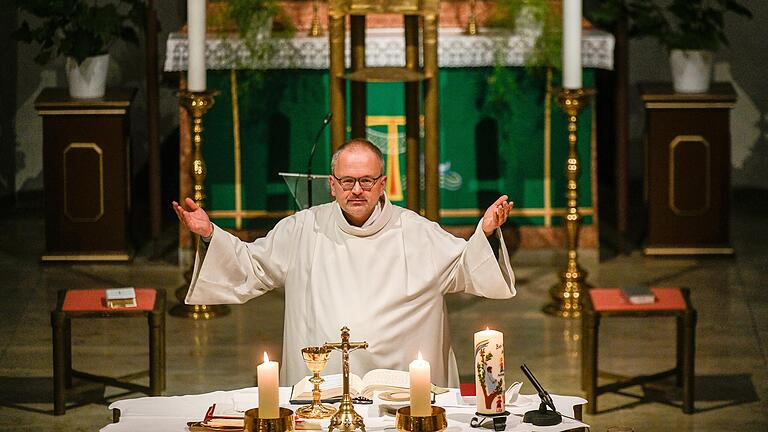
x=90 y=303
x=609 y=302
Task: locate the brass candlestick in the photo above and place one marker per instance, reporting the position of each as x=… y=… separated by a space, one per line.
x=315 y=29
x=566 y=294
x=284 y=423
x=316 y=359
x=196 y=104
x=435 y=422
x=346 y=418
x=472 y=21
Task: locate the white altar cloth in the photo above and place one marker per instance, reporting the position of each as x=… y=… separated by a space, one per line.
x=171 y=413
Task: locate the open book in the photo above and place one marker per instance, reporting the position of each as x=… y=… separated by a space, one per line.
x=375 y=380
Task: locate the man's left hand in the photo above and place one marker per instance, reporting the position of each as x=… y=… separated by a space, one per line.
x=496 y=215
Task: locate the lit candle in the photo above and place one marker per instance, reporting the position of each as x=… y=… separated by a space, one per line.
x=268 y=389
x=572 y=44
x=421 y=384
x=489 y=371
x=196 y=45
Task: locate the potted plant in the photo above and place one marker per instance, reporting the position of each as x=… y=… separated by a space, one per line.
x=690 y=29
x=81 y=31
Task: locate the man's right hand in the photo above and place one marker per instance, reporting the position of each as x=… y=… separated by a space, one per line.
x=195 y=219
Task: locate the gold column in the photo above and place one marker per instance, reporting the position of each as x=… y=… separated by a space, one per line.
x=197 y=104
x=336 y=41
x=358 y=105
x=431 y=121
x=315 y=29
x=566 y=294
x=472 y=21
x=412 y=138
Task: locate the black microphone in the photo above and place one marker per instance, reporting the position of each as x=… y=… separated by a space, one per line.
x=541 y=417
x=326 y=120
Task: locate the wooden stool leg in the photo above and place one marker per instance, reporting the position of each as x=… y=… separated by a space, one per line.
x=156 y=370
x=589 y=362
x=689 y=357
x=68 y=352
x=59 y=362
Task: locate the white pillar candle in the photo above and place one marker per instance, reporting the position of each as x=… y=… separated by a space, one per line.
x=421 y=384
x=196 y=45
x=572 y=44
x=489 y=371
x=269 y=397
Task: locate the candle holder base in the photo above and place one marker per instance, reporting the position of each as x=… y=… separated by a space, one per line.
x=435 y=422
x=284 y=423
x=499 y=420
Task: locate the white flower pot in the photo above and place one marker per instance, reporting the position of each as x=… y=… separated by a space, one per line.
x=88 y=80
x=691 y=70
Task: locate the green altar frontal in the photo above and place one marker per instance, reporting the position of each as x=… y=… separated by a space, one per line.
x=502 y=139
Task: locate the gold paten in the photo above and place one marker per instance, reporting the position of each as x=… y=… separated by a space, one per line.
x=316 y=358
x=346 y=418
x=435 y=422
x=284 y=423
x=566 y=294
x=196 y=104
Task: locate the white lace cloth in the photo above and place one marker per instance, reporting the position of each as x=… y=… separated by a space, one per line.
x=168 y=414
x=384 y=47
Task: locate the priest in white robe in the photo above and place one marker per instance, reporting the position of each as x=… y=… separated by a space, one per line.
x=360 y=262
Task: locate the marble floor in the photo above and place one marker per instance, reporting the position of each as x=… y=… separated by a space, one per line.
x=731 y=357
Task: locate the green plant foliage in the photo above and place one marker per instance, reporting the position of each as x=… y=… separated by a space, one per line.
x=79 y=28
x=548 y=46
x=675 y=24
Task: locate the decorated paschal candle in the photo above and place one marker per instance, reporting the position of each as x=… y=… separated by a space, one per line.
x=489 y=371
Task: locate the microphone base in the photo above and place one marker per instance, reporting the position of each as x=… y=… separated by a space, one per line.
x=541 y=417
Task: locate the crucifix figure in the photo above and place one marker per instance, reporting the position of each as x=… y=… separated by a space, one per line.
x=346 y=419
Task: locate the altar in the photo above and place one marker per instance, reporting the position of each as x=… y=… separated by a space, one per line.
x=167 y=414
x=500 y=131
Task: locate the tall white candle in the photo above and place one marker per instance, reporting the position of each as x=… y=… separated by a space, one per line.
x=572 y=44
x=421 y=384
x=196 y=45
x=268 y=389
x=489 y=371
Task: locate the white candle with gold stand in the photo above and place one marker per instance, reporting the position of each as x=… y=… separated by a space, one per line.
x=489 y=371
x=196 y=45
x=269 y=397
x=572 y=44
x=421 y=383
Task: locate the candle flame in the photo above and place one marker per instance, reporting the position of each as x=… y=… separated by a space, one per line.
x=486 y=328
x=420 y=357
x=266 y=357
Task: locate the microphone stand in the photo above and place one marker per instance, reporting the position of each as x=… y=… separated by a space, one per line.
x=541 y=416
x=326 y=120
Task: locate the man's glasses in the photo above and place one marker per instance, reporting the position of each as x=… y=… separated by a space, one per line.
x=347 y=183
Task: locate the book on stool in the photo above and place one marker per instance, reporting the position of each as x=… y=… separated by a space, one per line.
x=117 y=298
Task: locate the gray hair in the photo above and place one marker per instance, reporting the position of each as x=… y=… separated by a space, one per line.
x=357 y=143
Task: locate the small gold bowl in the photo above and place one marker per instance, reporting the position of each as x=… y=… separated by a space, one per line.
x=284 y=423
x=405 y=422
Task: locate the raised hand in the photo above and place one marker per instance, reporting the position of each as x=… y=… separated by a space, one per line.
x=496 y=215
x=195 y=219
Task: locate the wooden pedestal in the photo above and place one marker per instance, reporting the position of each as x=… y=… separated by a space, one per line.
x=86 y=167
x=688 y=160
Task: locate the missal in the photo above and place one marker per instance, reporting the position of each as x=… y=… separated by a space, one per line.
x=331 y=388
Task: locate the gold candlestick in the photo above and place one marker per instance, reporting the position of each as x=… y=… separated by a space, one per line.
x=196 y=104
x=472 y=21
x=566 y=294
x=315 y=29
x=316 y=359
x=346 y=418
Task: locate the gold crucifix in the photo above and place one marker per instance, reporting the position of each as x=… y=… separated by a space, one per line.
x=346 y=418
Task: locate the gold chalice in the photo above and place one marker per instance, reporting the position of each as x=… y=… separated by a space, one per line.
x=316 y=359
